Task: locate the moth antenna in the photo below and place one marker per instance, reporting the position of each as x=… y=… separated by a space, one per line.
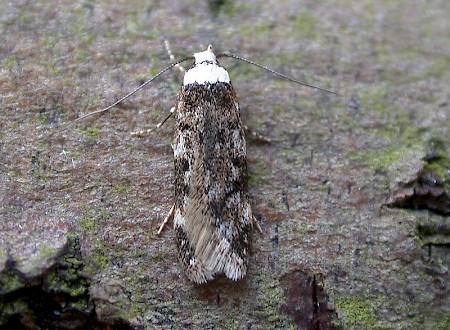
x=135 y=90
x=274 y=72
x=172 y=110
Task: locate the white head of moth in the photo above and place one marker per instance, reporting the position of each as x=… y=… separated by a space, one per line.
x=211 y=213
x=206 y=69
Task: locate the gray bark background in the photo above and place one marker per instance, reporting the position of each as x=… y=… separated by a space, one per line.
x=352 y=194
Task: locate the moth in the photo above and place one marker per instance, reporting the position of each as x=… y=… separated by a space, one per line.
x=212 y=215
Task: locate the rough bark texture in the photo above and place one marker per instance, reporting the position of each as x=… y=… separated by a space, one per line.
x=352 y=194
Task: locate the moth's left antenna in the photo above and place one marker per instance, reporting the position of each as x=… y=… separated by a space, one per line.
x=135 y=90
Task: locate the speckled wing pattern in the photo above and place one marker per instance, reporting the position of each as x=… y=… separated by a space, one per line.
x=212 y=214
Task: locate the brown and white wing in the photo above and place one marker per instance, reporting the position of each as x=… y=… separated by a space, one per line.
x=212 y=218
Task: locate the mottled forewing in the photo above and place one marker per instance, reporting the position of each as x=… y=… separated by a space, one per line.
x=212 y=216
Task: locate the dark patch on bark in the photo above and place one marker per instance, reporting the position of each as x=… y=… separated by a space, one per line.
x=427 y=191
x=307 y=302
x=56 y=299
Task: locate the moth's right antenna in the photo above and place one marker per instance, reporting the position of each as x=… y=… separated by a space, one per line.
x=274 y=72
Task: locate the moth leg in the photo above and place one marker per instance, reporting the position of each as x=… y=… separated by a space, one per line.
x=172 y=110
x=166 y=219
x=148 y=131
x=256 y=223
x=172 y=58
x=256 y=136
